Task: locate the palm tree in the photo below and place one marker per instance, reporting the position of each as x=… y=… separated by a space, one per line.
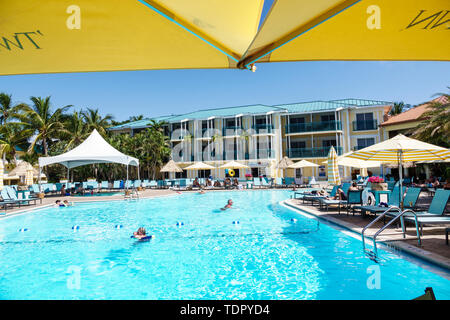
x=435 y=125
x=398 y=108
x=94 y=120
x=75 y=131
x=46 y=125
x=7 y=109
x=12 y=139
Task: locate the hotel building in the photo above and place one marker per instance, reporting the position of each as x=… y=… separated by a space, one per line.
x=261 y=135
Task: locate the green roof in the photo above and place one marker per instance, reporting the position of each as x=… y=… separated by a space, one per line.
x=225 y=112
x=301 y=107
x=362 y=102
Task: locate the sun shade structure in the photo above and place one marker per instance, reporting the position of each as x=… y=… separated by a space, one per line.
x=108 y=35
x=199 y=166
x=285 y=163
x=345 y=161
x=22 y=168
x=233 y=165
x=171 y=166
x=352 y=30
x=93 y=150
x=303 y=164
x=333 y=170
x=402 y=149
x=51 y=36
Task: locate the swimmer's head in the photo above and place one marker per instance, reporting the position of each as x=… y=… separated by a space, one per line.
x=58 y=201
x=141 y=231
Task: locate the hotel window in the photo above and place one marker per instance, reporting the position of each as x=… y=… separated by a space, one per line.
x=295 y=120
x=327 y=118
x=328 y=143
x=230 y=122
x=298 y=144
x=364 y=121
x=364 y=142
x=260 y=120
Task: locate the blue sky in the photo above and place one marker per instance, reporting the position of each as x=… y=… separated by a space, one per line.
x=162 y=92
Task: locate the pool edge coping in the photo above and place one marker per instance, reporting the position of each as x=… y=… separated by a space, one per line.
x=417 y=253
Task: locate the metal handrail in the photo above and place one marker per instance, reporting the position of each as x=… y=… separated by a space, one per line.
x=375 y=220
x=399 y=216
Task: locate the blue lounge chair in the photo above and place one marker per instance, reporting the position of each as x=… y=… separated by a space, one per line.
x=117 y=185
x=105 y=185
x=9 y=195
x=435 y=213
x=153 y=184
x=329 y=202
x=137 y=183
x=265 y=183
x=257 y=182
x=393 y=201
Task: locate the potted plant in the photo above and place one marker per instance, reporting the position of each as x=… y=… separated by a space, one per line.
x=249 y=176
x=377 y=183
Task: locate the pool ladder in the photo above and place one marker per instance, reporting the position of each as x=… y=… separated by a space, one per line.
x=374 y=254
x=133 y=195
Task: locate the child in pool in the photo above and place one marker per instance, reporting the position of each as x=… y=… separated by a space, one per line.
x=140 y=233
x=228 y=205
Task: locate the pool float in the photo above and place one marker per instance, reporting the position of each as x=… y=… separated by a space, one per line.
x=231 y=173
x=144 y=238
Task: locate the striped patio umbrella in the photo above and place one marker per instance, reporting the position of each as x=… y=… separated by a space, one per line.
x=363 y=172
x=401 y=149
x=333 y=170
x=29 y=176
x=1 y=174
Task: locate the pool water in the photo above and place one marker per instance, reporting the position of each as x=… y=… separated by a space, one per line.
x=98 y=194
x=264 y=256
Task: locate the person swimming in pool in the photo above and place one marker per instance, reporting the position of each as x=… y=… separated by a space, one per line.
x=67 y=203
x=58 y=203
x=228 y=205
x=140 y=233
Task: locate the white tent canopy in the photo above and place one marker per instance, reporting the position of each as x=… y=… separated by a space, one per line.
x=93 y=150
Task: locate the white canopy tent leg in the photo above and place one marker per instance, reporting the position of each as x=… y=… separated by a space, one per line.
x=126 y=185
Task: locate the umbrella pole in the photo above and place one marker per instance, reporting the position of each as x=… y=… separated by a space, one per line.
x=400 y=173
x=126 y=181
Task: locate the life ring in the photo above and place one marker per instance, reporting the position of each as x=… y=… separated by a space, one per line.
x=231 y=173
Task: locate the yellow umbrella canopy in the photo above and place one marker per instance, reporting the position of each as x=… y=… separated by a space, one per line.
x=303 y=164
x=345 y=161
x=402 y=149
x=233 y=165
x=171 y=166
x=29 y=176
x=352 y=30
x=199 y=166
x=2 y=168
x=333 y=170
x=108 y=35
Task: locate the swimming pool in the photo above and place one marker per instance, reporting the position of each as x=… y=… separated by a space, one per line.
x=264 y=256
x=98 y=194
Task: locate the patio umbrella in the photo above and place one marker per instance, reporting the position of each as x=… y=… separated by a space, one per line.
x=171 y=166
x=111 y=35
x=333 y=170
x=346 y=161
x=233 y=165
x=303 y=164
x=29 y=176
x=284 y=164
x=363 y=172
x=401 y=149
x=305 y=30
x=1 y=174
x=200 y=166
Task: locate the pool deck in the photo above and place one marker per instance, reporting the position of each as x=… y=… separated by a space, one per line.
x=433 y=248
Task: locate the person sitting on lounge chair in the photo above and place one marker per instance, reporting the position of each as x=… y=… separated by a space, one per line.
x=227 y=183
x=353 y=187
x=196 y=183
x=217 y=184
x=340 y=195
x=208 y=182
x=235 y=183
